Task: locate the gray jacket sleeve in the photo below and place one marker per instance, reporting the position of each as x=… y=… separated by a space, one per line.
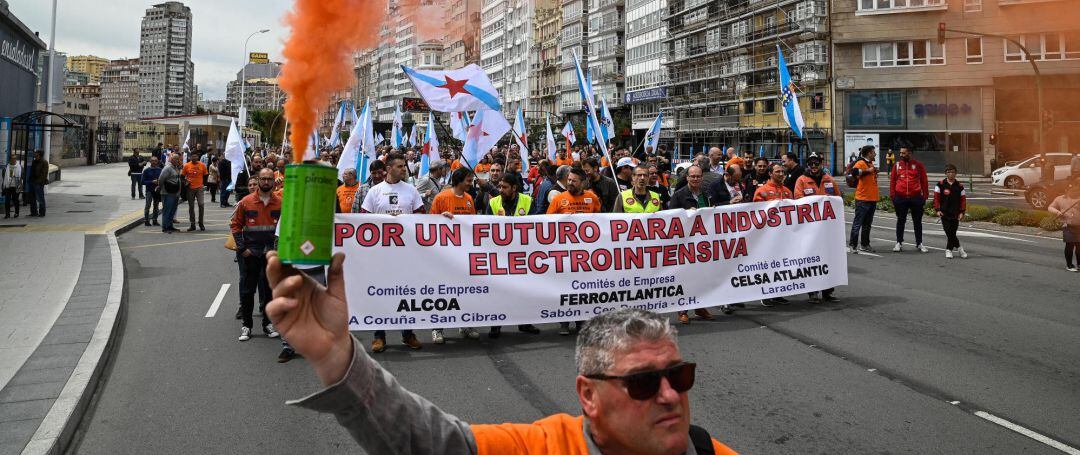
x=383 y=417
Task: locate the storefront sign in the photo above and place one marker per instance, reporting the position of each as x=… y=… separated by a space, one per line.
x=641 y=96
x=875 y=109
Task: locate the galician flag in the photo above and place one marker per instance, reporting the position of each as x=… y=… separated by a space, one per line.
x=395 y=132
x=459 y=125
x=464 y=89
x=352 y=114
x=335 y=133
x=521 y=138
x=412 y=137
x=187 y=143
x=588 y=132
x=568 y=133
x=431 y=147
x=606 y=121
x=652 y=137
x=552 y=150
x=350 y=154
x=312 y=151
x=234 y=152
x=590 y=107
x=487 y=128
x=792 y=112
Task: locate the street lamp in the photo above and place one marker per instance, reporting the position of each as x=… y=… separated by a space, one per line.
x=243 y=78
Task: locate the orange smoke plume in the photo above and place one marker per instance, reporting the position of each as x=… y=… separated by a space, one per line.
x=429 y=16
x=318 y=57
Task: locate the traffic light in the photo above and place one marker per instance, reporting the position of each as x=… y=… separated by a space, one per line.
x=941 y=33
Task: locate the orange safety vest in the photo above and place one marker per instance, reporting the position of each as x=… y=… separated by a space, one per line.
x=559 y=434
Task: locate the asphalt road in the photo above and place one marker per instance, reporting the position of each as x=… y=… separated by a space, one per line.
x=917 y=347
x=978 y=193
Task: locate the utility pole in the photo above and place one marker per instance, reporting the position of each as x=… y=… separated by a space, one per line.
x=49 y=87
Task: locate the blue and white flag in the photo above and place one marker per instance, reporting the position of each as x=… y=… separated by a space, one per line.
x=521 y=138
x=395 y=131
x=590 y=107
x=459 y=125
x=463 y=89
x=790 y=101
x=652 y=137
x=487 y=128
x=588 y=132
x=606 y=121
x=412 y=136
x=335 y=133
x=431 y=147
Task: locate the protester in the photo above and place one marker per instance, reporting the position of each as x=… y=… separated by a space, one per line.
x=604 y=187
x=449 y=203
x=716 y=160
x=866 y=200
x=692 y=197
x=562 y=182
x=815 y=182
x=757 y=177
x=252 y=226
x=394 y=196
x=728 y=190
x=890 y=160
x=11 y=181
x=490 y=188
x=576 y=199
x=624 y=171
x=638 y=199
x=909 y=190
x=194 y=171
x=213 y=178
x=376 y=175
x=225 y=172
x=510 y=202
x=658 y=185
x=1067 y=207
x=169 y=182
x=430 y=185
x=774 y=190
x=734 y=159
x=632 y=384
x=135 y=168
x=792 y=169
x=150 y=177
x=549 y=176
x=39 y=179
x=346 y=193
x=950 y=204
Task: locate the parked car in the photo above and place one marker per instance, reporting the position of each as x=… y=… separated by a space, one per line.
x=1028 y=172
x=1040 y=195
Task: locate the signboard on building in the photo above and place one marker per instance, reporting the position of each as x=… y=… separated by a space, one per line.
x=875 y=109
x=414 y=105
x=853 y=142
x=641 y=96
x=19 y=54
x=259 y=57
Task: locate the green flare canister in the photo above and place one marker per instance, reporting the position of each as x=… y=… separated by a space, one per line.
x=307 y=214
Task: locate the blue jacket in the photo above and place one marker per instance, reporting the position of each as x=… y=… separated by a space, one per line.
x=148 y=176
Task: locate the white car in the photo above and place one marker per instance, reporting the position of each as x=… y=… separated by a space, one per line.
x=1029 y=171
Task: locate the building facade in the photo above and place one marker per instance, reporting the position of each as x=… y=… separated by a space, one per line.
x=261 y=91
x=545 y=85
x=573 y=41
x=646 y=62
x=91 y=65
x=462 y=45
x=506 y=48
x=120 y=91
x=19 y=69
x=166 y=73
x=607 y=55
x=898 y=86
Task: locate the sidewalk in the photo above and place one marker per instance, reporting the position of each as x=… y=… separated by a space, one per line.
x=62 y=280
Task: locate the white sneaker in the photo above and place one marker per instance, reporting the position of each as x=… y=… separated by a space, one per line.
x=470 y=333
x=963 y=254
x=1072 y=269
x=948 y=254
x=922 y=248
x=270 y=331
x=898 y=248
x=850 y=250
x=245 y=334
x=437 y=337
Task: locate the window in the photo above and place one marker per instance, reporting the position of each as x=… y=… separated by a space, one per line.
x=972 y=6
x=768 y=106
x=974 y=50
x=817 y=101
x=1045 y=46
x=903 y=53
x=885 y=6
x=748 y=107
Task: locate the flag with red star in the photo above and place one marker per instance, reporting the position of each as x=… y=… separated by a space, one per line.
x=463 y=89
x=486 y=130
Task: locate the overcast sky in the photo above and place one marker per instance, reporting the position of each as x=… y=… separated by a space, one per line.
x=110 y=29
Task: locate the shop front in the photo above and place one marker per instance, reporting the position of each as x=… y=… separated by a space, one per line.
x=939 y=125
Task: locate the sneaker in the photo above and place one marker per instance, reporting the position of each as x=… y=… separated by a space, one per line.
x=922 y=248
x=963 y=254
x=270 y=331
x=850 y=249
x=898 y=248
x=378 y=345
x=814 y=298
x=201 y=227
x=286 y=355
x=437 y=336
x=145 y=223
x=829 y=298
x=867 y=249
x=684 y=318
x=766 y=303
x=245 y=333
x=191 y=229
x=495 y=332
x=726 y=309
x=704 y=314
x=413 y=343
x=1072 y=268
x=529 y=328
x=948 y=254
x=470 y=333
x=564 y=328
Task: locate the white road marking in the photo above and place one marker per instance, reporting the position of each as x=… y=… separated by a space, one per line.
x=217 y=301
x=954 y=403
x=1026 y=432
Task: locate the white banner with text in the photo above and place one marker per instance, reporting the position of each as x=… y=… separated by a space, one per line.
x=427 y=271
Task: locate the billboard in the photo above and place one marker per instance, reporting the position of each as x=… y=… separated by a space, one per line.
x=258 y=57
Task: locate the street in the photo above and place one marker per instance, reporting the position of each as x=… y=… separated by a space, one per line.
x=922 y=355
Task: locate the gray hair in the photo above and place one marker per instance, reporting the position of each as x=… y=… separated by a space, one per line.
x=606 y=335
x=563 y=172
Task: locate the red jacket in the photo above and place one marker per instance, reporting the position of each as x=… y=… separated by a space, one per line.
x=908 y=179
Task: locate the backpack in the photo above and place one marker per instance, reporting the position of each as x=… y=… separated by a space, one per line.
x=701 y=440
x=850 y=178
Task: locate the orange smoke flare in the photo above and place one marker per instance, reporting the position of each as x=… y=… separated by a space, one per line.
x=318 y=57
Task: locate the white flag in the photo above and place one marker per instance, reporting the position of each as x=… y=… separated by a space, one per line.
x=234 y=152
x=552 y=150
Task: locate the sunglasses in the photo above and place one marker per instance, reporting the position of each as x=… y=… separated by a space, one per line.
x=643 y=386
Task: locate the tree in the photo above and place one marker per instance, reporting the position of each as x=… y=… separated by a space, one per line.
x=271 y=124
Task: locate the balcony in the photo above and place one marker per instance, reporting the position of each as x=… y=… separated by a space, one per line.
x=708 y=123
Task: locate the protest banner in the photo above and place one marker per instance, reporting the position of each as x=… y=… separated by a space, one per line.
x=427 y=271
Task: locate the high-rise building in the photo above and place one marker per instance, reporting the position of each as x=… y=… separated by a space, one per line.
x=723 y=79
x=646 y=61
x=463 y=37
x=166 y=73
x=260 y=93
x=506 y=47
x=88 y=64
x=120 y=91
x=900 y=87
x=544 y=100
x=607 y=51
x=574 y=40
x=400 y=44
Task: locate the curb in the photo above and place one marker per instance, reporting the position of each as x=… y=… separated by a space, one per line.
x=54 y=435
